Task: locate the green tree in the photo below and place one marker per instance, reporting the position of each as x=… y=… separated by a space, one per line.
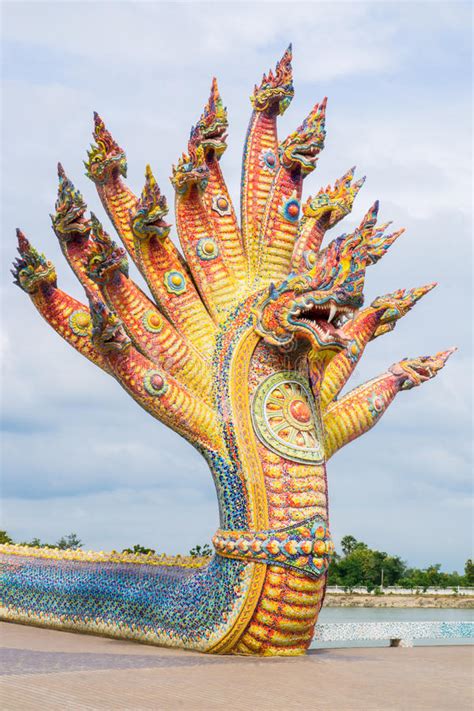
x=5 y=538
x=333 y=570
x=431 y=577
x=361 y=566
x=137 y=548
x=348 y=543
x=393 y=569
x=469 y=572
x=71 y=542
x=34 y=543
x=204 y=550
x=387 y=569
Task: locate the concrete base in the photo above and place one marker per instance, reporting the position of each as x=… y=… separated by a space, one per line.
x=45 y=669
x=401 y=643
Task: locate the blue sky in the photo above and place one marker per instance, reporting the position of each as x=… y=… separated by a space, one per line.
x=77 y=453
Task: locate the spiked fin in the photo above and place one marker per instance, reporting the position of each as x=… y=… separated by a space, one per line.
x=375 y=242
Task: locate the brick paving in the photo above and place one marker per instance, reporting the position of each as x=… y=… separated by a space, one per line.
x=44 y=669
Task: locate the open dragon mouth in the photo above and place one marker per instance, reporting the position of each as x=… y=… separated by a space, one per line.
x=308 y=154
x=190 y=176
x=217 y=137
x=115 y=343
x=311 y=151
x=160 y=227
x=424 y=372
x=421 y=372
x=324 y=321
x=113 y=166
x=73 y=229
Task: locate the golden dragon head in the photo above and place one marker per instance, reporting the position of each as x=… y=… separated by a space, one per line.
x=105 y=160
x=108 y=333
x=148 y=219
x=211 y=130
x=310 y=306
x=69 y=220
x=276 y=88
x=301 y=149
x=191 y=170
x=32 y=271
x=336 y=202
x=414 y=371
x=105 y=257
x=396 y=305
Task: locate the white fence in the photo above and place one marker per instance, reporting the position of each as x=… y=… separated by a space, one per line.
x=394 y=590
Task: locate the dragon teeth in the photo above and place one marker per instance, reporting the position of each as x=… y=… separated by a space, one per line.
x=332 y=312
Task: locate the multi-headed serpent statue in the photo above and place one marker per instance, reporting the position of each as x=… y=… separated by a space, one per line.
x=243 y=347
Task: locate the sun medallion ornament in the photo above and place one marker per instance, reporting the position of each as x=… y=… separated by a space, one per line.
x=286 y=419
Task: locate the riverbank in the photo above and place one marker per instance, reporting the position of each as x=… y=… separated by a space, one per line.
x=459 y=602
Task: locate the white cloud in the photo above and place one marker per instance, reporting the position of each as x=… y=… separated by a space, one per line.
x=180 y=34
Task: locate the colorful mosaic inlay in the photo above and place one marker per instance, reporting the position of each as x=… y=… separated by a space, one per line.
x=353 y=351
x=243 y=345
x=152 y=603
x=207 y=248
x=221 y=205
x=152 y=321
x=269 y=161
x=175 y=282
x=291 y=209
x=80 y=322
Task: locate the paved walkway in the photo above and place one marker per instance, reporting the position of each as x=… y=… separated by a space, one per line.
x=45 y=670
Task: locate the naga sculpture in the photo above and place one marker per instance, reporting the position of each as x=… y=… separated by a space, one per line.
x=247 y=339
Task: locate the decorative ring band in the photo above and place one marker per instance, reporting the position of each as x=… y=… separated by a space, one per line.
x=305 y=546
